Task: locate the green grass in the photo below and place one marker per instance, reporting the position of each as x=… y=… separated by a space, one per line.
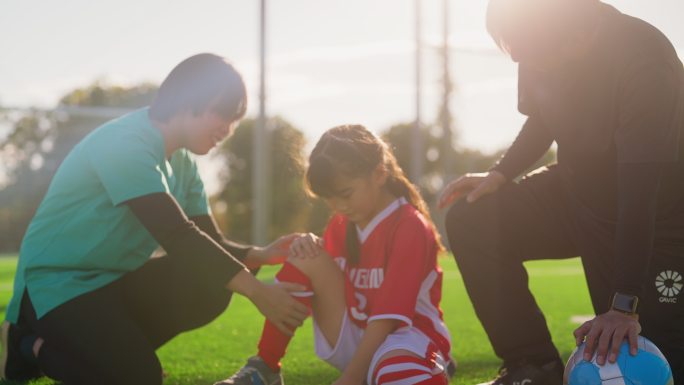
x=217 y=350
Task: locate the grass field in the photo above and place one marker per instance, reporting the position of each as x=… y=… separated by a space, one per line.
x=217 y=350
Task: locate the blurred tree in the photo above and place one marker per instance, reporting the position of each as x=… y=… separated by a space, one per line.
x=290 y=208
x=98 y=95
x=40 y=139
x=438 y=149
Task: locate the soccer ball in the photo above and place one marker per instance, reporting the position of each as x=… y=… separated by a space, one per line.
x=648 y=367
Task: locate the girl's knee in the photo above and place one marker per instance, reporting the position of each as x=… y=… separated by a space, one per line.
x=317 y=266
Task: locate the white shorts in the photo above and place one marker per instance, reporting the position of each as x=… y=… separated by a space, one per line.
x=339 y=356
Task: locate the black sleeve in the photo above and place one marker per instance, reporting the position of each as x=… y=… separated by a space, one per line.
x=650 y=115
x=638 y=186
x=529 y=146
x=166 y=222
x=207 y=224
x=650 y=112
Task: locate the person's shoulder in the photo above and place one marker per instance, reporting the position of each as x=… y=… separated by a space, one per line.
x=411 y=220
x=635 y=39
x=127 y=135
x=411 y=214
x=413 y=235
x=134 y=126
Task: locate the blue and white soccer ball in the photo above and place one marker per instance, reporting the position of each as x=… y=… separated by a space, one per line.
x=648 y=367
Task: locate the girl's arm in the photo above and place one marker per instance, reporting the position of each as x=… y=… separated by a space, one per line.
x=375 y=334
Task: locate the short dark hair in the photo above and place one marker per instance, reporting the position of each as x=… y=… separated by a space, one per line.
x=200 y=82
x=533 y=25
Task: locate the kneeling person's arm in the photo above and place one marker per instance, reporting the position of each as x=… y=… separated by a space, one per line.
x=181 y=238
x=207 y=224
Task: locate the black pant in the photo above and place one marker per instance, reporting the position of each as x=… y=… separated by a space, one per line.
x=109 y=336
x=538 y=219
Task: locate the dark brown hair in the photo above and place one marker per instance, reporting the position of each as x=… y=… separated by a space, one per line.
x=353 y=151
x=200 y=82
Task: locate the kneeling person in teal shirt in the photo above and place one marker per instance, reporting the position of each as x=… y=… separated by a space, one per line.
x=90 y=306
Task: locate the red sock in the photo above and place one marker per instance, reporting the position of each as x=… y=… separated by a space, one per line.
x=408 y=370
x=273 y=343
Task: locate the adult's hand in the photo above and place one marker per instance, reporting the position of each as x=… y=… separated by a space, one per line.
x=273 y=254
x=475 y=185
x=273 y=301
x=607 y=331
x=307 y=245
x=276 y=304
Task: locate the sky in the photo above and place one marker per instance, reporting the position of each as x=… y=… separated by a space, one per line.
x=329 y=62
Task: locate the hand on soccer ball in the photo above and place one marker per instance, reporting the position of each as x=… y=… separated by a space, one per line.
x=307 y=245
x=607 y=331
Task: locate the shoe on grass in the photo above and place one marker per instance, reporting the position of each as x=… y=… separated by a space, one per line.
x=451 y=369
x=14 y=364
x=255 y=372
x=527 y=373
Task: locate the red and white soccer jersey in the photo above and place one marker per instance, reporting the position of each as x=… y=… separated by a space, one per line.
x=397 y=275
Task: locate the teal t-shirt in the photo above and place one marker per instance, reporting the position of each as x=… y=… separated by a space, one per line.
x=82 y=237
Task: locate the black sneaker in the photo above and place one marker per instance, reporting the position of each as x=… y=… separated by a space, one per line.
x=530 y=374
x=13 y=364
x=451 y=368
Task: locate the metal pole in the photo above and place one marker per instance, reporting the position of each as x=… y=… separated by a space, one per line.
x=447 y=132
x=417 y=153
x=260 y=152
x=446 y=112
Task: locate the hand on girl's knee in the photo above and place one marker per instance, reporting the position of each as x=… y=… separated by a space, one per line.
x=307 y=245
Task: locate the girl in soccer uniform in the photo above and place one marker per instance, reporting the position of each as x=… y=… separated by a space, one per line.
x=373 y=282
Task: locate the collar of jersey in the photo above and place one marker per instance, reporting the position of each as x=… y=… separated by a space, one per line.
x=392 y=207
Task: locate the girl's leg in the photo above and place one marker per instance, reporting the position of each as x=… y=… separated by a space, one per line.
x=329 y=305
x=403 y=367
x=322 y=278
x=324 y=291
x=408 y=357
